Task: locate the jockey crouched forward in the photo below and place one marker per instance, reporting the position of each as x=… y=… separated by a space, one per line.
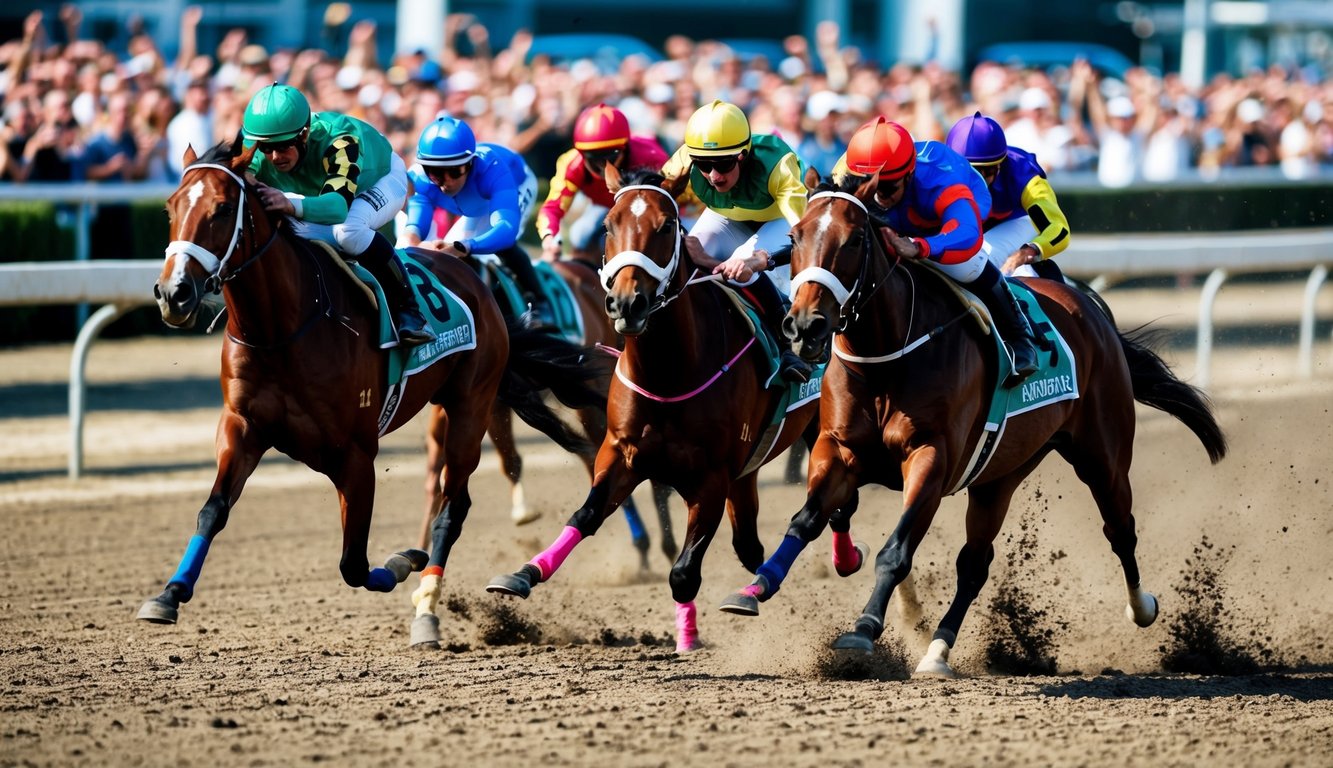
x=934 y=204
x=753 y=193
x=489 y=188
x=339 y=181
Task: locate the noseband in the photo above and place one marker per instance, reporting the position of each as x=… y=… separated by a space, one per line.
x=210 y=261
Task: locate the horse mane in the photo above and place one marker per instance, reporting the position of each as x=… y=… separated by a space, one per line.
x=648 y=176
x=848 y=184
x=221 y=153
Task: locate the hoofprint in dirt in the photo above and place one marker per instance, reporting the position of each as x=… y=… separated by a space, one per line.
x=277 y=662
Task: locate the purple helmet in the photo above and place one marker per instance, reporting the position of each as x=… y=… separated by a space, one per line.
x=979 y=139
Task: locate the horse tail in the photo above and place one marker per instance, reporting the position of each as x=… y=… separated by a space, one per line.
x=540 y=361
x=1156 y=386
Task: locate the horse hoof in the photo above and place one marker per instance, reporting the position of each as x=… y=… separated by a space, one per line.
x=689 y=646
x=740 y=604
x=854 y=641
x=426 y=632
x=157 y=612
x=1147 y=613
x=936 y=661
x=405 y=563
x=524 y=516
x=862 y=552
x=510 y=584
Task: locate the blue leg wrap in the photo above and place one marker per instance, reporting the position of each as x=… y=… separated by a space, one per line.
x=381 y=580
x=775 y=569
x=636 y=530
x=187 y=573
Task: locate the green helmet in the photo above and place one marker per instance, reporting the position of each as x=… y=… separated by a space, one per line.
x=277 y=113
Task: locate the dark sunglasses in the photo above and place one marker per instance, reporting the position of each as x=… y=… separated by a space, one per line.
x=437 y=173
x=719 y=164
x=278 y=146
x=601 y=156
x=889 y=187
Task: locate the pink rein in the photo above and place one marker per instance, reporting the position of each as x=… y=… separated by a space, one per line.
x=640 y=390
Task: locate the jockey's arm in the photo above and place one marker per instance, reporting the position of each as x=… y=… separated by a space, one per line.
x=960 y=235
x=420 y=210
x=1039 y=201
x=504 y=220
x=787 y=187
x=342 y=164
x=562 y=193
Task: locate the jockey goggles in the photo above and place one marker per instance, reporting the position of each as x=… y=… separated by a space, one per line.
x=279 y=146
x=720 y=164
x=437 y=173
x=601 y=156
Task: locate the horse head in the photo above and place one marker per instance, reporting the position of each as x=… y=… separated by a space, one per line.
x=207 y=214
x=831 y=250
x=644 y=238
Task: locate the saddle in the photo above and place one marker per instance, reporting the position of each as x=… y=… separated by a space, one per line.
x=558 y=294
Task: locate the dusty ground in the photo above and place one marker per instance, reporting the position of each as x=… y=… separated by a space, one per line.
x=276 y=662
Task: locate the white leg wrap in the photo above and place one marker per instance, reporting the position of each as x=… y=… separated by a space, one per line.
x=1142 y=608
x=936 y=661
x=427 y=596
x=519 y=512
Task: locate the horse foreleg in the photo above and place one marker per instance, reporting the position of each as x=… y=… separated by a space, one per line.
x=238 y=453
x=436 y=433
x=614 y=484
x=832 y=488
x=355 y=480
x=923 y=483
x=705 y=512
x=502 y=437
x=662 y=501
x=987 y=506
x=743 y=509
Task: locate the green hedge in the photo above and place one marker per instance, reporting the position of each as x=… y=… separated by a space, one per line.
x=1201 y=208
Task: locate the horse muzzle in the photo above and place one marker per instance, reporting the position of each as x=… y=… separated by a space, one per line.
x=178 y=302
x=810 y=334
x=628 y=312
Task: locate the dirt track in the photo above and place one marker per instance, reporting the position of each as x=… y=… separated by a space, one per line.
x=276 y=662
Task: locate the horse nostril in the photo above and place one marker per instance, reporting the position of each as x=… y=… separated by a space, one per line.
x=611 y=306
x=818 y=327
x=789 y=328
x=157 y=291
x=182 y=293
x=638 y=305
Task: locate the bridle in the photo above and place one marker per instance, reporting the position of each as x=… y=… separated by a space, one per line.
x=217 y=266
x=664 y=275
x=850 y=300
x=211 y=262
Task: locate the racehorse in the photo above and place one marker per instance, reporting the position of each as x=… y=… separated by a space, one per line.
x=907 y=399
x=302 y=372
x=688 y=406
x=588 y=298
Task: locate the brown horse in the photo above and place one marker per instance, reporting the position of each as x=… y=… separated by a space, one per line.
x=688 y=405
x=302 y=372
x=589 y=423
x=906 y=401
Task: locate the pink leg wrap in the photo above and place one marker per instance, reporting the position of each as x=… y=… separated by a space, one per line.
x=549 y=561
x=845 y=556
x=754 y=590
x=687 y=632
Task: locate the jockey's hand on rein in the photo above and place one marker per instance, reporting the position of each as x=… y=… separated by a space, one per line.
x=904 y=247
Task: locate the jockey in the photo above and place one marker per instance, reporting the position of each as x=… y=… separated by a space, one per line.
x=488 y=187
x=339 y=180
x=930 y=193
x=601 y=136
x=752 y=191
x=1022 y=201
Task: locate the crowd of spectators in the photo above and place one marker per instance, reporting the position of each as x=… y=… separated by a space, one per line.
x=75 y=110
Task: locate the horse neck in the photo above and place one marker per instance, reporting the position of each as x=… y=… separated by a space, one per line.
x=897 y=312
x=680 y=337
x=271 y=297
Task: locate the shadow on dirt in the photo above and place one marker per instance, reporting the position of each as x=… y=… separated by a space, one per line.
x=1301 y=686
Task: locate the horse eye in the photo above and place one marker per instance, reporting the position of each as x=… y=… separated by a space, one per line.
x=226 y=208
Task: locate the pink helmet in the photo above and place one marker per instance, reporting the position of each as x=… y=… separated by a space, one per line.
x=601 y=127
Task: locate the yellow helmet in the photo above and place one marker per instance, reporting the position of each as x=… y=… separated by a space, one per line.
x=716 y=130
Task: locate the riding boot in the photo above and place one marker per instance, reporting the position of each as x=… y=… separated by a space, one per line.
x=993 y=289
x=382 y=261
x=792 y=367
x=539 y=314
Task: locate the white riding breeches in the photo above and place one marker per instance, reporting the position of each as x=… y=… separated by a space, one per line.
x=966 y=271
x=371 y=209
x=723 y=238
x=1005 y=238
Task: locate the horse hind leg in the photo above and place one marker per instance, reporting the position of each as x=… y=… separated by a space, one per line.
x=662 y=502
x=502 y=437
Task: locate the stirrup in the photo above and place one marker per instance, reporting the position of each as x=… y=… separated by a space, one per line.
x=792 y=368
x=413 y=329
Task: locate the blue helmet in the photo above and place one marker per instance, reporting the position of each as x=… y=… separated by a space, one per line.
x=446 y=141
x=979 y=139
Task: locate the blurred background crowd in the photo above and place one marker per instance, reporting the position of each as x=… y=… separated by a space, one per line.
x=74 y=109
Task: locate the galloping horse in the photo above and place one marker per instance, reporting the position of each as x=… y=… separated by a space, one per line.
x=589 y=299
x=688 y=405
x=907 y=400
x=302 y=372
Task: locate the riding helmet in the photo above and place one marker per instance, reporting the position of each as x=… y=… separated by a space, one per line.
x=717 y=130
x=978 y=138
x=446 y=141
x=277 y=113
x=881 y=146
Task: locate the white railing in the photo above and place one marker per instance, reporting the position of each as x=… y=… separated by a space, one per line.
x=1105 y=259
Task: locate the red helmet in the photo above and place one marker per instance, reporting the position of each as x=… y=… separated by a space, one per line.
x=601 y=127
x=881 y=146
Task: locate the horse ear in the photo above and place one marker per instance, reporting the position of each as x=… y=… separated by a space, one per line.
x=612 y=176
x=677 y=185
x=242 y=158
x=866 y=189
x=189 y=157
x=811 y=178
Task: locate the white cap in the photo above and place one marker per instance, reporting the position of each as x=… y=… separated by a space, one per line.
x=1034 y=98
x=1120 y=106
x=659 y=93
x=370 y=95
x=1314 y=111
x=1250 y=111
x=821 y=103
x=464 y=80
x=348 y=78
